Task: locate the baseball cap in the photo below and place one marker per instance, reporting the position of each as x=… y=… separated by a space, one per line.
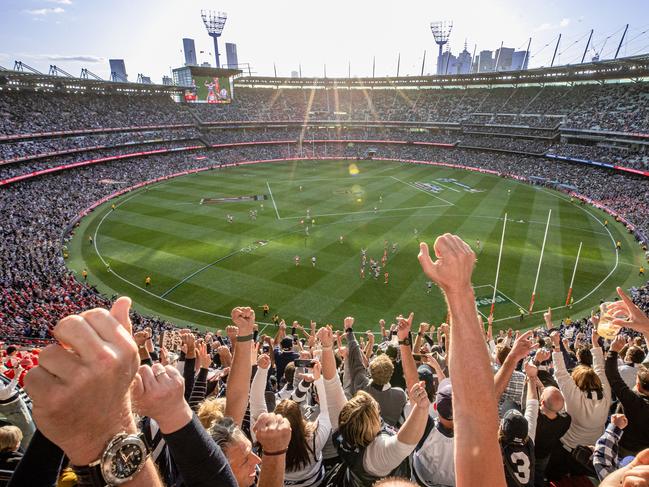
x=425 y=374
x=514 y=427
x=444 y=399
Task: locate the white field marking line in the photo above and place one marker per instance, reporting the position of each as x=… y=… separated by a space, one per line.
x=141 y=288
x=564 y=226
x=447 y=187
x=425 y=192
x=365 y=211
x=500 y=291
x=273 y=198
x=179 y=283
x=340 y=179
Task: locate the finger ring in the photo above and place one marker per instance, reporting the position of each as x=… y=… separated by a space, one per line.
x=159 y=373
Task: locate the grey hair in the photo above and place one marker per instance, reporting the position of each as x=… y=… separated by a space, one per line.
x=225 y=432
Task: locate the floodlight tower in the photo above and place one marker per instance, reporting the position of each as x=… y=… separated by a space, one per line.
x=214 y=23
x=441 y=32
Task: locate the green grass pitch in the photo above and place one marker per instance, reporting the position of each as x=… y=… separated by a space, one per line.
x=202 y=266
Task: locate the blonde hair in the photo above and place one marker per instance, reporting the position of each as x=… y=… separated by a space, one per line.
x=381 y=370
x=586 y=379
x=10 y=437
x=211 y=411
x=359 y=421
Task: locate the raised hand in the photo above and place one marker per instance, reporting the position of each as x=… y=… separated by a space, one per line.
x=244 y=318
x=224 y=355
x=325 y=337
x=314 y=375
x=404 y=326
x=530 y=370
x=158 y=392
x=164 y=356
x=523 y=345
x=204 y=358
x=547 y=316
x=618 y=343
x=348 y=322
x=424 y=327
x=594 y=338
x=232 y=332
x=555 y=336
x=627 y=314
x=263 y=361
x=80 y=390
x=542 y=355
x=619 y=420
x=454 y=265
x=273 y=432
x=419 y=396
x=140 y=338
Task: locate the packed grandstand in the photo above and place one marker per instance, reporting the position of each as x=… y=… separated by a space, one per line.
x=64 y=149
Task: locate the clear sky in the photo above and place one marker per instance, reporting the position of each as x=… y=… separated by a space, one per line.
x=147 y=34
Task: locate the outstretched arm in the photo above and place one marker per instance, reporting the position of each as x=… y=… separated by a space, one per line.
x=477 y=454
x=236 y=394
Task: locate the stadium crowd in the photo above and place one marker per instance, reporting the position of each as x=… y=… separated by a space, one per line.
x=303 y=405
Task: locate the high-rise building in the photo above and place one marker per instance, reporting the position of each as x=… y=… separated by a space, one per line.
x=189 y=48
x=484 y=62
x=520 y=60
x=167 y=81
x=118 y=70
x=464 y=61
x=503 y=57
x=231 y=55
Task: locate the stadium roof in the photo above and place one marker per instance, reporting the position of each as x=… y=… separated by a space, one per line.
x=25 y=80
x=635 y=68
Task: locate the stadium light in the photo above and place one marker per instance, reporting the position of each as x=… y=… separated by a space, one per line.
x=441 y=32
x=214 y=23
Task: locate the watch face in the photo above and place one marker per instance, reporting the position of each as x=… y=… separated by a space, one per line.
x=124 y=457
x=126 y=461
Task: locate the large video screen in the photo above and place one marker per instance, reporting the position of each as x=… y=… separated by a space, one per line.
x=206 y=89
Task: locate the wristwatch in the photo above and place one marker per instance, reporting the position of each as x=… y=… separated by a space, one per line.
x=406 y=341
x=123 y=458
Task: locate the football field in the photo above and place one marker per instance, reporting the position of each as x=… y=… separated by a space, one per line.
x=203 y=263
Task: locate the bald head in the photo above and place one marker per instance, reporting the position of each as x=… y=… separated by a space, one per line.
x=394 y=482
x=552 y=399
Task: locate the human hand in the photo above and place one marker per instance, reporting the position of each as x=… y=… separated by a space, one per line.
x=348 y=323
x=542 y=355
x=140 y=338
x=158 y=392
x=204 y=358
x=547 y=316
x=627 y=314
x=370 y=336
x=636 y=474
x=454 y=266
x=189 y=341
x=80 y=390
x=225 y=355
x=263 y=361
x=325 y=337
x=424 y=327
x=315 y=374
x=523 y=345
x=555 y=336
x=232 y=332
x=594 y=338
x=282 y=325
x=530 y=370
x=618 y=343
x=164 y=356
x=619 y=420
x=244 y=318
x=273 y=432
x=404 y=326
x=419 y=396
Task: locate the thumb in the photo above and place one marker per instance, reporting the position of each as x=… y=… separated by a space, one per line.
x=120 y=311
x=627 y=300
x=424 y=259
x=137 y=388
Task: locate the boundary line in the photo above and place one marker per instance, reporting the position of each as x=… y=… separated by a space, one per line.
x=425 y=192
x=500 y=291
x=273 y=198
x=178 y=284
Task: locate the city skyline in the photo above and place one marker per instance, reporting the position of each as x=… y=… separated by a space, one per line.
x=74 y=34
